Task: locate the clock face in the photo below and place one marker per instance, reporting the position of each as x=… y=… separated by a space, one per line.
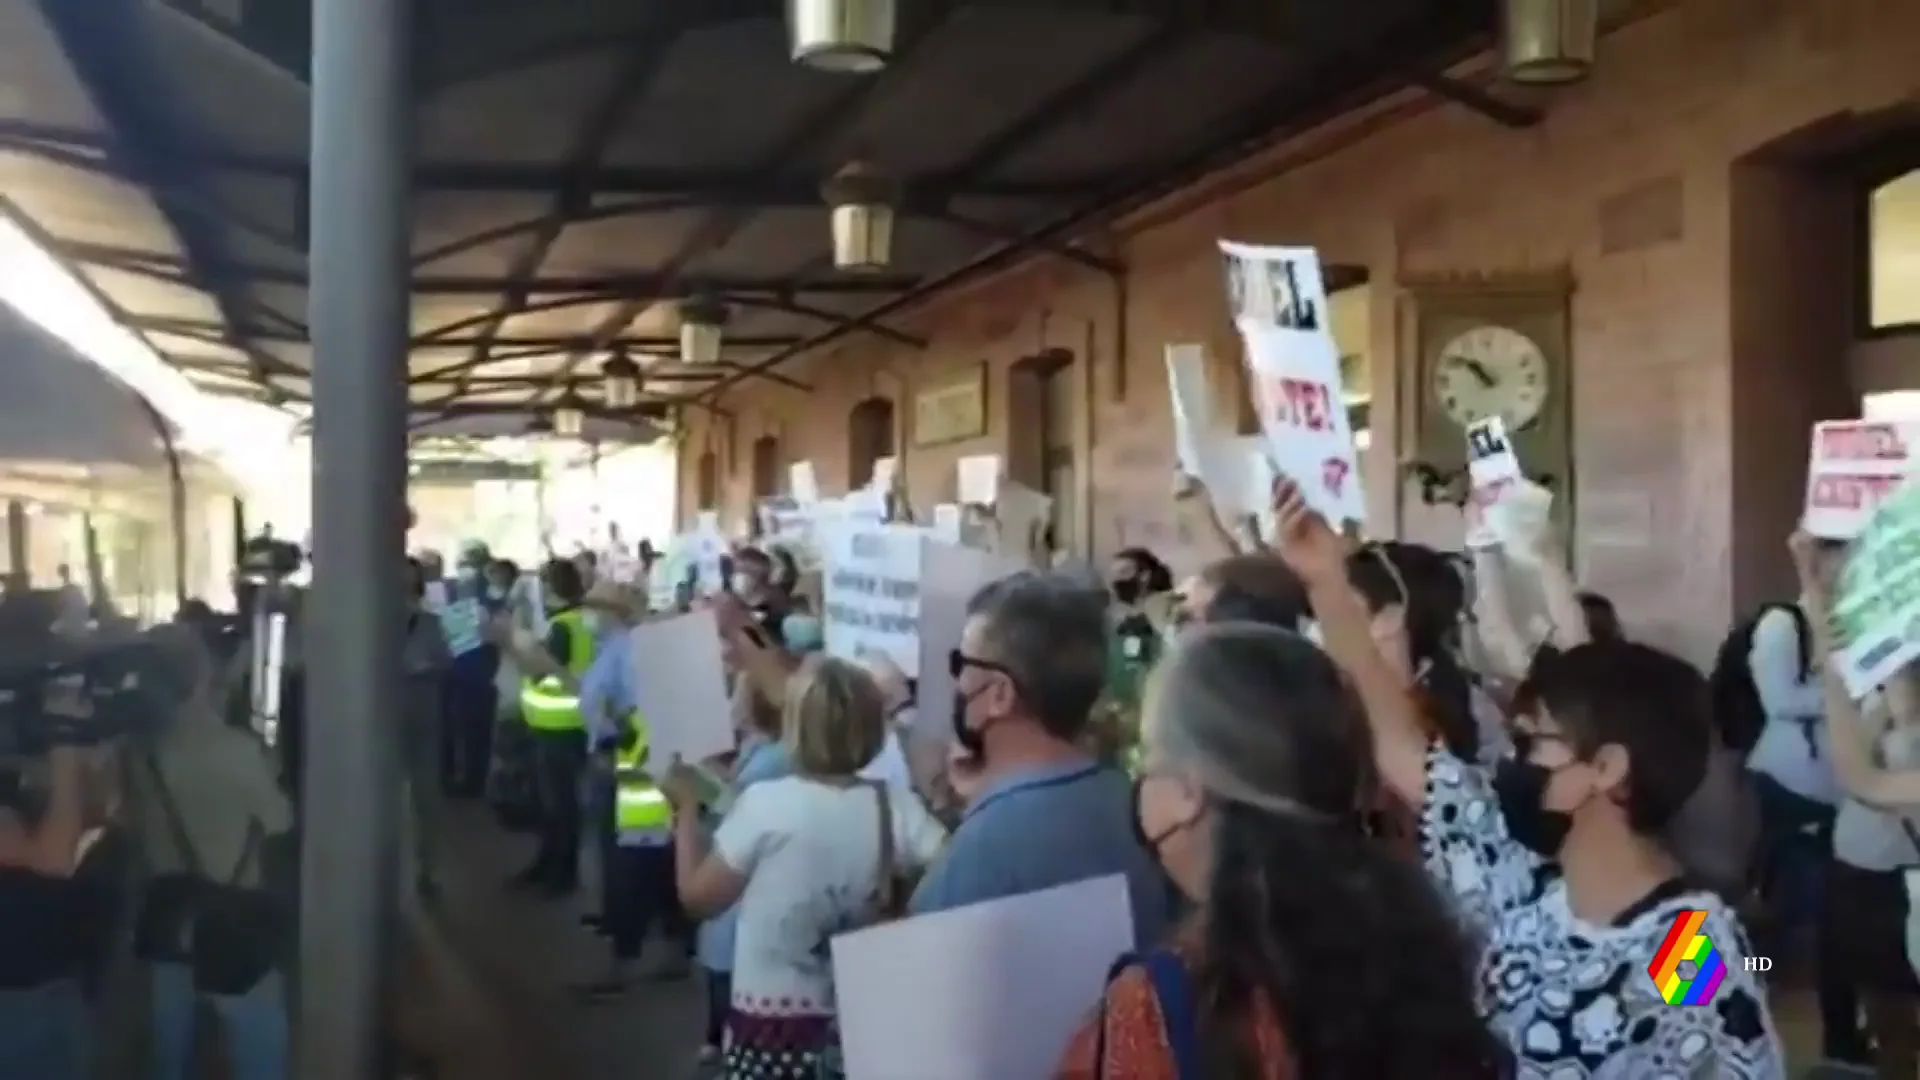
x=1491 y=371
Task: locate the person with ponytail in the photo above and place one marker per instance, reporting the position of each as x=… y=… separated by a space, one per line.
x=1257 y=764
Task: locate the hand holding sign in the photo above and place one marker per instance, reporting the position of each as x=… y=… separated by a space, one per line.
x=1303 y=539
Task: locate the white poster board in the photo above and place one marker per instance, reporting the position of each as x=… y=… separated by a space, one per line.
x=870 y=594
x=1279 y=305
x=977 y=479
x=1018 y=977
x=1854 y=466
x=463 y=625
x=680 y=688
x=950 y=575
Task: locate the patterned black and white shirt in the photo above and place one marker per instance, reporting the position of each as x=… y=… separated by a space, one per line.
x=1575 y=1000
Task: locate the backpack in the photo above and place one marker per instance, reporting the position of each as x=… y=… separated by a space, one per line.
x=1737 y=711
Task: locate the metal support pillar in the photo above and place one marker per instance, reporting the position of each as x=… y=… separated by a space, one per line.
x=358 y=311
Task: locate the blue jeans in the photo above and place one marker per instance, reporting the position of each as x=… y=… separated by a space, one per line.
x=45 y=1032
x=255 y=1023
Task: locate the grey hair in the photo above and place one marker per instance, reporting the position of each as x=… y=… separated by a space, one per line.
x=1048 y=631
x=834 y=721
x=1260 y=716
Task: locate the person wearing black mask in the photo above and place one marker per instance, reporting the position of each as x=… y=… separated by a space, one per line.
x=1040 y=810
x=1556 y=859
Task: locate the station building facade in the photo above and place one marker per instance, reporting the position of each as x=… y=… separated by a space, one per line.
x=1711 y=243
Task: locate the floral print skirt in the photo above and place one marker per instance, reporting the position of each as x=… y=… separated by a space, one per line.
x=762 y=1047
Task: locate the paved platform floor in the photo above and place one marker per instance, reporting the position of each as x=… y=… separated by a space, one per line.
x=530 y=951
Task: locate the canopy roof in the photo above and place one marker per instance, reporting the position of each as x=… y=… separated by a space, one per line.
x=584 y=166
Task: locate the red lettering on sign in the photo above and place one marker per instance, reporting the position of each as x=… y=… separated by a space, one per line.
x=1878 y=442
x=1302 y=403
x=1333 y=473
x=1850 y=492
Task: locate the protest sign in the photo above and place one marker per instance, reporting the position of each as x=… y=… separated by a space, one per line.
x=463 y=625
x=871 y=601
x=949 y=576
x=1279 y=305
x=1192 y=407
x=1876 y=610
x=1492 y=469
x=802 y=484
x=978 y=479
x=1854 y=466
x=1018 y=976
x=680 y=688
x=949 y=523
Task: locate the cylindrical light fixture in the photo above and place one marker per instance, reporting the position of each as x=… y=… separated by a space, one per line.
x=862 y=203
x=569 y=416
x=703 y=328
x=846 y=36
x=620 y=381
x=1548 y=42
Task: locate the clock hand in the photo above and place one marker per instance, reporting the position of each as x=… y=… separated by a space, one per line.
x=1479 y=370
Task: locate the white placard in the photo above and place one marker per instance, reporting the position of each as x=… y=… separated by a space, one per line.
x=1492 y=468
x=1018 y=977
x=949 y=523
x=1279 y=304
x=437 y=596
x=1854 y=466
x=802 y=484
x=871 y=593
x=978 y=479
x=884 y=472
x=680 y=688
x=1192 y=407
x=949 y=576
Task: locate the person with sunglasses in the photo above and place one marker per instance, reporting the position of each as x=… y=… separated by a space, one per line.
x=1556 y=859
x=1040 y=811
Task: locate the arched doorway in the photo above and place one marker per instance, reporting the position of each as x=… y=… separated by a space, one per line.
x=869 y=438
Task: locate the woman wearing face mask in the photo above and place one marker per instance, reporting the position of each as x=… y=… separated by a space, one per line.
x=1256 y=762
x=1556 y=861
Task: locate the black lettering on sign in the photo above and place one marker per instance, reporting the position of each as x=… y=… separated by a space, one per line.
x=1484 y=442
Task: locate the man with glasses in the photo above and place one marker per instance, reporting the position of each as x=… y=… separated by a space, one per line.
x=1040 y=811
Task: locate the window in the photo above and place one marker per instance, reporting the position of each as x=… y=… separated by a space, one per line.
x=1893 y=253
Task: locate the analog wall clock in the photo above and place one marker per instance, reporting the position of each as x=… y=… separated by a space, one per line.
x=1491 y=370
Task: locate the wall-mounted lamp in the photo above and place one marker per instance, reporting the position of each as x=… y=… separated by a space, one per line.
x=703 y=327
x=852 y=37
x=620 y=382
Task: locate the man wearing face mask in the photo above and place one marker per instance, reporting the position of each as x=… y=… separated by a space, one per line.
x=1040 y=812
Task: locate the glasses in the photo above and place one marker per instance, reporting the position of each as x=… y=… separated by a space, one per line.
x=958 y=662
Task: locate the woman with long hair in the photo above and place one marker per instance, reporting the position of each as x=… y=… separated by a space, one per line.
x=1257 y=764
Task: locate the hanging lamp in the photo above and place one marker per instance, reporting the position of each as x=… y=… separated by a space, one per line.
x=1548 y=42
x=862 y=204
x=620 y=381
x=703 y=327
x=853 y=37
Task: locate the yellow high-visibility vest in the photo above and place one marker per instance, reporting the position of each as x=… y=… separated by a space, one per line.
x=638 y=804
x=546 y=704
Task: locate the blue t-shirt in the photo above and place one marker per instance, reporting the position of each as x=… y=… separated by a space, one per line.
x=1047 y=827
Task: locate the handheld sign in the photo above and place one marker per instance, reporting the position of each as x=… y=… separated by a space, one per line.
x=1279 y=305
x=1876 y=613
x=1854 y=466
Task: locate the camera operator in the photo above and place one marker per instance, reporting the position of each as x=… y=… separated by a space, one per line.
x=217 y=920
x=51 y=923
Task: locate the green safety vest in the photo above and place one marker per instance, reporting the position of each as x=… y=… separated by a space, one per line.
x=545 y=704
x=638 y=805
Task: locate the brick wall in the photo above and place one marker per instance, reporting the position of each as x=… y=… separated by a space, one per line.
x=1685 y=480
